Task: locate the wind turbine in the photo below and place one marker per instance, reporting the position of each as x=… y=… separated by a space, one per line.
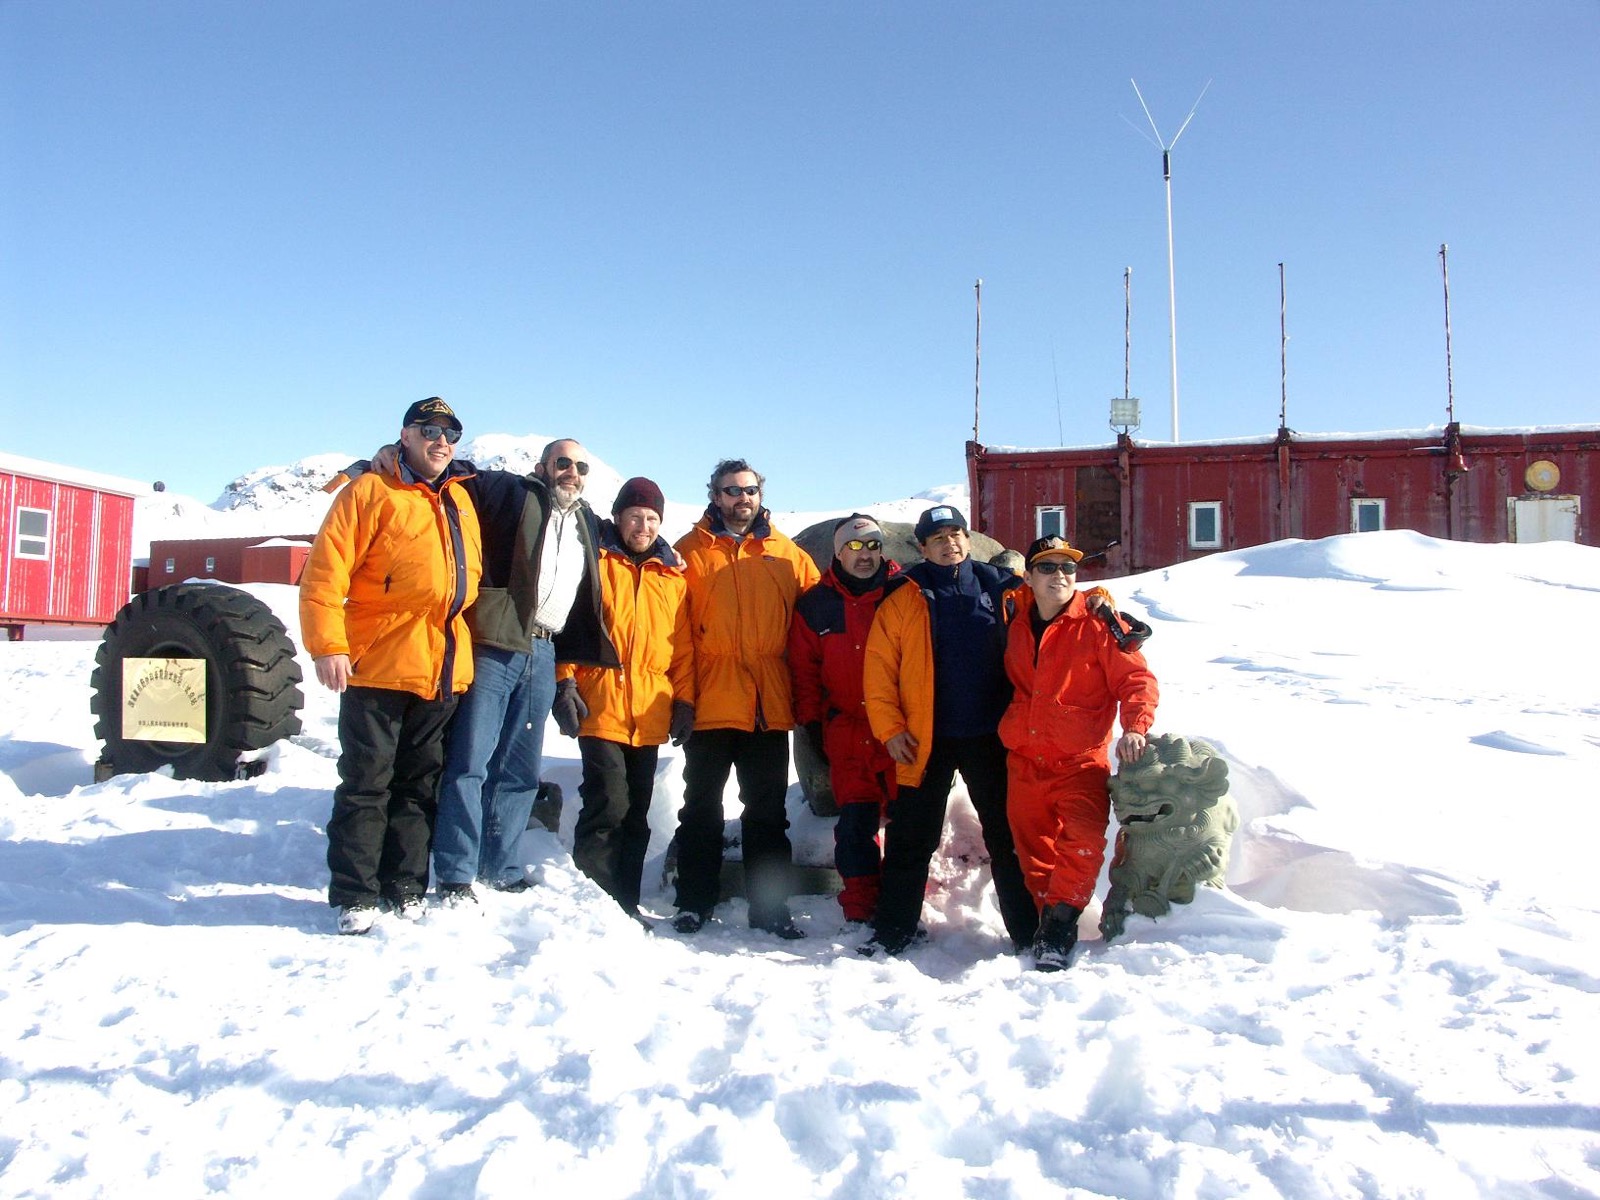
x=1172 y=286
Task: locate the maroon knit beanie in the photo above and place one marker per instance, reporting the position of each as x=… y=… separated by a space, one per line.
x=639 y=492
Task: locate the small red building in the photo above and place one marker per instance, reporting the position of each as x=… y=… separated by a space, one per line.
x=66 y=544
x=1167 y=503
x=258 y=559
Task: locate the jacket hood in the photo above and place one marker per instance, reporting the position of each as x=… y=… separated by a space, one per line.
x=611 y=539
x=711 y=522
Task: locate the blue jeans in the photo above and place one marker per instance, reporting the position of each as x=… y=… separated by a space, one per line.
x=491 y=765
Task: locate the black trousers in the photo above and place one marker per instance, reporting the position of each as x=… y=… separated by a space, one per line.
x=391 y=751
x=613 y=830
x=760 y=761
x=916 y=827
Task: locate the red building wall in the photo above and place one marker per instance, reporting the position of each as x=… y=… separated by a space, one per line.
x=229 y=560
x=85 y=574
x=1451 y=484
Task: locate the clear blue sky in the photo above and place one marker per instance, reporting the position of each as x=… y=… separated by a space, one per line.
x=234 y=234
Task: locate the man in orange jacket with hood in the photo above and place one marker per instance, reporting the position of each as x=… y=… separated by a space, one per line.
x=744 y=577
x=397 y=560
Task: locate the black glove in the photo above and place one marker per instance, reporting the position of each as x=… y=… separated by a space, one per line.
x=569 y=710
x=682 y=722
x=813 y=733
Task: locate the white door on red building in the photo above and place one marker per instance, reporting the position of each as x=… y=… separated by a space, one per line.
x=1543 y=518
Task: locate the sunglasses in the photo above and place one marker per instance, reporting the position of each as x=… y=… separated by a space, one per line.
x=1051 y=566
x=432 y=433
x=858 y=544
x=734 y=491
x=564 y=463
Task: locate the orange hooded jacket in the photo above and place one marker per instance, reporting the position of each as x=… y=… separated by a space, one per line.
x=1068 y=685
x=646 y=610
x=741 y=600
x=387 y=579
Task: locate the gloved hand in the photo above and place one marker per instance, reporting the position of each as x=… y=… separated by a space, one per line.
x=569 y=710
x=813 y=735
x=682 y=722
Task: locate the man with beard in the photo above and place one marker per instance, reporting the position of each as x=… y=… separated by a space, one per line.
x=744 y=577
x=827 y=649
x=620 y=717
x=540 y=601
x=396 y=561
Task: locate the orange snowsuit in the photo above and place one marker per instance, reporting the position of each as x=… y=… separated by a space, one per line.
x=741 y=599
x=1069 y=683
x=646 y=610
x=383 y=577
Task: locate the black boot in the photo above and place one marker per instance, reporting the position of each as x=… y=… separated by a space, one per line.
x=1058 y=934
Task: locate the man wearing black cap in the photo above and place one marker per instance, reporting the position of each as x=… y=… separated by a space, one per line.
x=621 y=717
x=935 y=688
x=396 y=561
x=540 y=601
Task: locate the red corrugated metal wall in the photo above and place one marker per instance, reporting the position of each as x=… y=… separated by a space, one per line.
x=86 y=573
x=1420 y=481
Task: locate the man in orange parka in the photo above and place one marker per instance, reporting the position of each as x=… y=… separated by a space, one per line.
x=1069 y=677
x=621 y=715
x=397 y=560
x=743 y=578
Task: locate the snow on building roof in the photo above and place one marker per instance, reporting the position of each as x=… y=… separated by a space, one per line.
x=1395 y=435
x=16 y=464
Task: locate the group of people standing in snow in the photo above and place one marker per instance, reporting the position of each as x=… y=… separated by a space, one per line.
x=455 y=610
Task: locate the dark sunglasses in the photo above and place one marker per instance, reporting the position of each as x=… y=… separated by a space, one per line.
x=563 y=463
x=858 y=544
x=432 y=433
x=1050 y=566
x=734 y=490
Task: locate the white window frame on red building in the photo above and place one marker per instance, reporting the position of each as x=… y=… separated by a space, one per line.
x=1214 y=507
x=1042 y=512
x=26 y=539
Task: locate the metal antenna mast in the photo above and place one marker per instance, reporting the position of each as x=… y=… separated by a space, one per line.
x=1172 y=286
x=977 y=358
x=1449 y=371
x=1127 y=330
x=1283 y=352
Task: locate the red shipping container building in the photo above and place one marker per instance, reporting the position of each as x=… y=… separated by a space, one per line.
x=66 y=544
x=259 y=559
x=1168 y=503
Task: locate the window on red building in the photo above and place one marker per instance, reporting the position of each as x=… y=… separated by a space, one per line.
x=1205 y=525
x=33 y=533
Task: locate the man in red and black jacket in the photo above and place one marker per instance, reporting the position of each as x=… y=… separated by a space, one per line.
x=827 y=647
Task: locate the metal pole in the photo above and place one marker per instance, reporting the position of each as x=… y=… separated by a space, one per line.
x=1449 y=373
x=1172 y=291
x=977 y=359
x=1283 y=353
x=1172 y=279
x=1127 y=329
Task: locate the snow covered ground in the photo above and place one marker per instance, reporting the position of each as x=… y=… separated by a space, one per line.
x=1397 y=995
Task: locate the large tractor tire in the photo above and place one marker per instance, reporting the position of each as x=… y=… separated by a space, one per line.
x=252 y=680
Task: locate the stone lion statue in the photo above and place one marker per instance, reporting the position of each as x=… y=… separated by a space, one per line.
x=1175 y=825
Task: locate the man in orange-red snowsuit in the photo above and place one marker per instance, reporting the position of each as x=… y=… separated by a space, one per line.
x=1070 y=675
